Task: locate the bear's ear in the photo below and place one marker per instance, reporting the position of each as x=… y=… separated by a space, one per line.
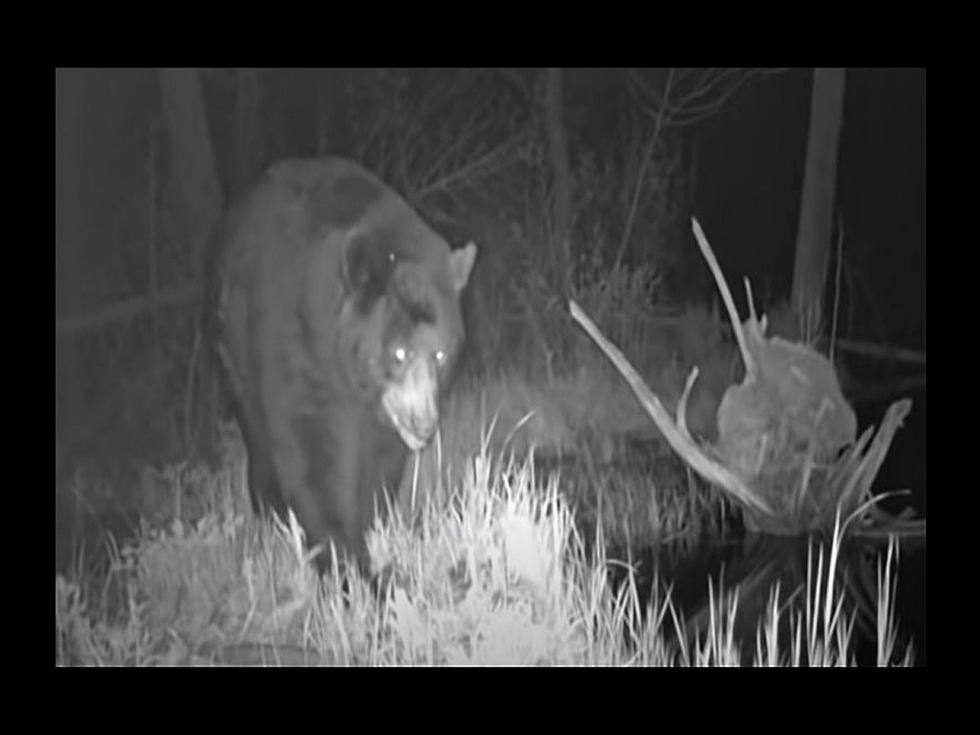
x=461 y=265
x=366 y=266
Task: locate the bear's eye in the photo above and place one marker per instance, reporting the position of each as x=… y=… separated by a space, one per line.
x=441 y=356
x=400 y=354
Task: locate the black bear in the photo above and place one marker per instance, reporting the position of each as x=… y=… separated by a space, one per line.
x=340 y=325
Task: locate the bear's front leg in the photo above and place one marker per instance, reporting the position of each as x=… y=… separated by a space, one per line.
x=322 y=485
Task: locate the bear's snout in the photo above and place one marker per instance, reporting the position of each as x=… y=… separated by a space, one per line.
x=412 y=406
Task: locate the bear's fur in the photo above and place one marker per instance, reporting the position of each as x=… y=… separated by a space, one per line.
x=340 y=325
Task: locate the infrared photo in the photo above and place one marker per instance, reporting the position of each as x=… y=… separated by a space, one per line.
x=550 y=367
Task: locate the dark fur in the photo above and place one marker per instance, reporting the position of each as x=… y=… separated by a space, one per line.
x=323 y=271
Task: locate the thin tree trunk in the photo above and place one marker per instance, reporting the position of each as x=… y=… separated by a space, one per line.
x=813 y=240
x=325 y=100
x=192 y=159
x=249 y=153
x=561 y=189
x=199 y=199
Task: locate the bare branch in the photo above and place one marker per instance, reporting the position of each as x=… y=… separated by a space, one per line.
x=679 y=440
x=483 y=162
x=690 y=95
x=124 y=311
x=696 y=114
x=702 y=91
x=641 y=174
x=521 y=83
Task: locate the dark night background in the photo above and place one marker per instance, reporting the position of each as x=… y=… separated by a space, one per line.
x=748 y=193
x=753 y=172
x=740 y=172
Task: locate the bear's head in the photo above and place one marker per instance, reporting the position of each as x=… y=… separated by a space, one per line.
x=401 y=316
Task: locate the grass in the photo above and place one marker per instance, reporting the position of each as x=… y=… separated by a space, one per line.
x=495 y=572
x=612 y=465
x=498 y=549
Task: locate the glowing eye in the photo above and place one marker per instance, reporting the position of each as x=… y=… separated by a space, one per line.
x=400 y=354
x=440 y=357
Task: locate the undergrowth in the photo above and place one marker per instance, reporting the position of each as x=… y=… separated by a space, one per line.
x=494 y=573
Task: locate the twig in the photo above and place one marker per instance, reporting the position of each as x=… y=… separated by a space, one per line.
x=124 y=311
x=189 y=393
x=726 y=296
x=463 y=171
x=658 y=126
x=682 y=404
x=889 y=389
x=884 y=352
x=840 y=251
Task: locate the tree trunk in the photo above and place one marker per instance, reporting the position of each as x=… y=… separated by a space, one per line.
x=249 y=153
x=195 y=177
x=561 y=190
x=813 y=240
x=199 y=200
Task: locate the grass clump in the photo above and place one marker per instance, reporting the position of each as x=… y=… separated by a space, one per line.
x=494 y=573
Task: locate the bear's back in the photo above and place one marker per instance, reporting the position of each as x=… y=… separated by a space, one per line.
x=305 y=205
